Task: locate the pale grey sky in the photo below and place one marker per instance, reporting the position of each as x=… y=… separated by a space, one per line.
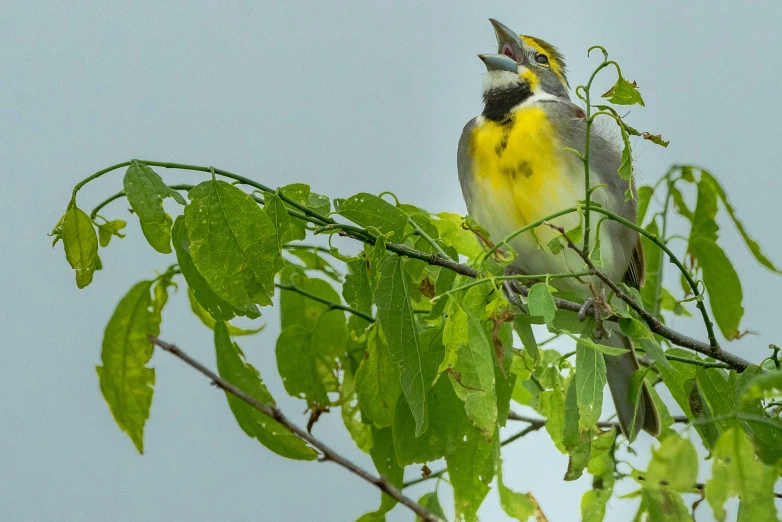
x=346 y=96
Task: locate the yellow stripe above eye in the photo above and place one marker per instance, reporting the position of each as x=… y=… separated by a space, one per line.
x=553 y=62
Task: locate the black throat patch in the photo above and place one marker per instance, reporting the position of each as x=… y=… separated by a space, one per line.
x=499 y=102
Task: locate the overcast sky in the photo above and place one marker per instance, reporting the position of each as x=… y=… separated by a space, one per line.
x=345 y=96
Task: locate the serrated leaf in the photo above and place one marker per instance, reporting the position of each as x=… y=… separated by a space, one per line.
x=395 y=315
x=449 y=226
x=590 y=379
x=357 y=290
x=275 y=208
x=624 y=93
x=146 y=191
x=80 y=243
x=722 y=284
x=210 y=322
x=541 y=302
x=232 y=366
x=109 y=229
x=371 y=211
x=216 y=306
x=657 y=139
x=469 y=359
x=125 y=380
x=737 y=472
x=377 y=381
x=471 y=469
x=233 y=244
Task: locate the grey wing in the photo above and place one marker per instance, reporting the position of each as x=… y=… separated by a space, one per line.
x=464 y=163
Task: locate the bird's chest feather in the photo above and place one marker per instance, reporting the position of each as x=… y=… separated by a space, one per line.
x=520 y=173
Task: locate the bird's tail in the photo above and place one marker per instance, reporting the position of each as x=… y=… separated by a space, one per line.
x=632 y=417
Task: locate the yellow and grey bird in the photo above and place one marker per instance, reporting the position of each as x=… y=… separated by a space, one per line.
x=515 y=169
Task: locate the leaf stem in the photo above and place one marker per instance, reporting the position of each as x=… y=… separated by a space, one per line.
x=519 y=277
x=696 y=362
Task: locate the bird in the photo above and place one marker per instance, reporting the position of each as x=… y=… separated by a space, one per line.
x=517 y=164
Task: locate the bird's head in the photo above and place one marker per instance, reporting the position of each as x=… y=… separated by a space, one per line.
x=523 y=66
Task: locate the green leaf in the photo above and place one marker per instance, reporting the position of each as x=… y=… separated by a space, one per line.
x=722 y=284
x=757 y=387
x=541 y=302
x=602 y=348
x=233 y=244
x=360 y=432
x=624 y=93
x=471 y=469
x=80 y=244
x=146 y=191
x=108 y=229
x=395 y=315
x=216 y=306
x=301 y=310
x=371 y=211
x=601 y=467
x=385 y=462
x=125 y=380
x=674 y=465
x=469 y=359
x=737 y=472
x=524 y=330
x=449 y=225
x=680 y=204
x=640 y=333
x=551 y=404
x=714 y=387
x=644 y=195
x=767 y=436
x=357 y=290
x=377 y=381
x=753 y=245
x=304 y=370
x=275 y=208
x=519 y=506
x=432 y=503
x=590 y=379
x=626 y=166
x=209 y=321
x=704 y=225
x=313 y=261
x=577 y=441
x=232 y=366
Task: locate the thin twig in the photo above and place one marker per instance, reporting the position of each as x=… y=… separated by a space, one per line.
x=655 y=325
x=331 y=304
x=602 y=424
x=273 y=412
x=534 y=426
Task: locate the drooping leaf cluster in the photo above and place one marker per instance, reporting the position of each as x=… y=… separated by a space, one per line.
x=425 y=363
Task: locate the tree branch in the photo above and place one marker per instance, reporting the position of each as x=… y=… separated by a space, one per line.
x=602 y=424
x=655 y=325
x=364 y=236
x=273 y=412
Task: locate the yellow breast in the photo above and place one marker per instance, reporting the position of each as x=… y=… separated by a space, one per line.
x=517 y=169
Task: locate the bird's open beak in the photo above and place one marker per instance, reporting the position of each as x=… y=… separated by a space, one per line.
x=505 y=36
x=499 y=62
x=509 y=50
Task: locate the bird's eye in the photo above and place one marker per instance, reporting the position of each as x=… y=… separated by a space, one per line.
x=542 y=59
